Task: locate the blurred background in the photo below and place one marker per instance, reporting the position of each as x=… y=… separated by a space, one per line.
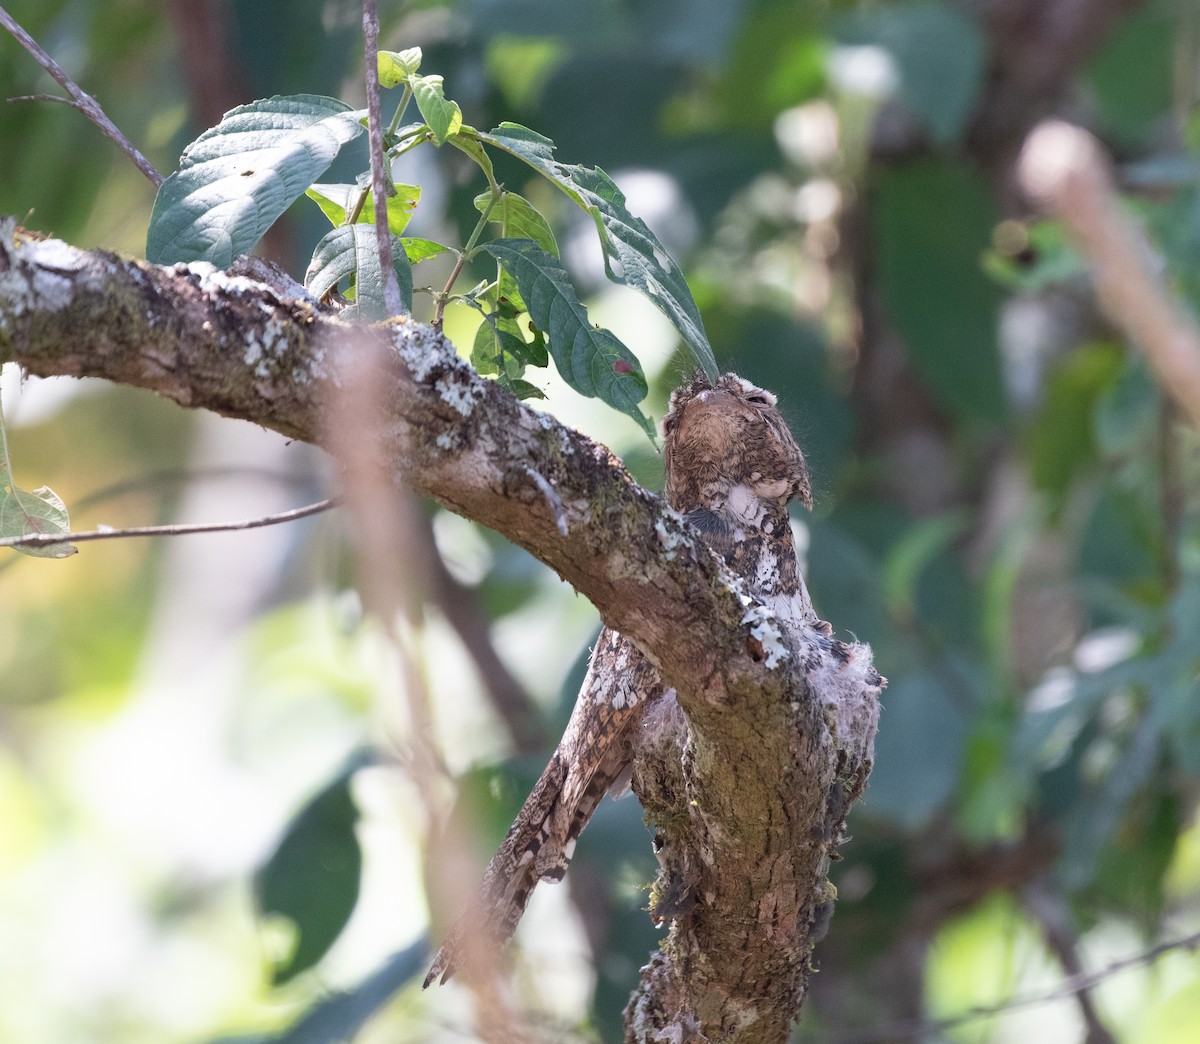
x=208 y=830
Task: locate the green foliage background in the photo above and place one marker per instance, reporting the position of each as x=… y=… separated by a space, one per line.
x=1007 y=511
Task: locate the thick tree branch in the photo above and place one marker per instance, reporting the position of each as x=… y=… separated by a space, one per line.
x=779 y=732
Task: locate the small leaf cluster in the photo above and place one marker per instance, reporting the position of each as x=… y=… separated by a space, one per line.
x=238 y=178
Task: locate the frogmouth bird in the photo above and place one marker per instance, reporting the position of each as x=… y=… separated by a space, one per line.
x=732 y=466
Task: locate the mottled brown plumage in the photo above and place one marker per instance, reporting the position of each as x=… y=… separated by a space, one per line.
x=732 y=466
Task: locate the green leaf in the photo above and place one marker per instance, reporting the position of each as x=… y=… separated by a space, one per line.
x=1039 y=258
x=312 y=878
x=24 y=513
x=397 y=66
x=419 y=250
x=352 y=251
x=591 y=360
x=525 y=390
x=235 y=180
x=627 y=240
x=443 y=116
x=337 y=201
x=518 y=219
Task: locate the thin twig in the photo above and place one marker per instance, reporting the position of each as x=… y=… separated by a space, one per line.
x=927 y=1029
x=45 y=539
x=552 y=498
x=1065 y=169
x=80 y=99
x=383 y=236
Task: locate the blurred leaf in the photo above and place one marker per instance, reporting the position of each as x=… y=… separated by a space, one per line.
x=644 y=262
x=521 y=66
x=1061 y=435
x=1131 y=74
x=778 y=60
x=443 y=116
x=312 y=878
x=992 y=798
x=336 y=202
x=235 y=180
x=918 y=753
x=940 y=54
x=591 y=360
x=1093 y=821
x=351 y=251
x=931 y=221
x=910 y=555
x=1042 y=257
x=1128 y=409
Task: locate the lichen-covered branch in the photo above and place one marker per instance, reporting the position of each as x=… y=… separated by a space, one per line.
x=776 y=733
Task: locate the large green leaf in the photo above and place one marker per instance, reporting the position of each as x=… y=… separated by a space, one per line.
x=312 y=878
x=352 y=251
x=627 y=240
x=235 y=180
x=931 y=222
x=592 y=360
x=940 y=54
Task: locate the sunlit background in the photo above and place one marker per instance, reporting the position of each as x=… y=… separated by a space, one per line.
x=1007 y=511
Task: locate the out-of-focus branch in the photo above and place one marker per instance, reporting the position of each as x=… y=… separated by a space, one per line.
x=461 y=610
x=1049 y=909
x=81 y=100
x=1065 y=170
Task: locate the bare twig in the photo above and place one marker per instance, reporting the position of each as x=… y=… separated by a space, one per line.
x=383 y=236
x=926 y=1029
x=1050 y=910
x=1064 y=168
x=80 y=99
x=45 y=539
x=552 y=499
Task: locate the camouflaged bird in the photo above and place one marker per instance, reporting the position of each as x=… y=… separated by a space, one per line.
x=731 y=468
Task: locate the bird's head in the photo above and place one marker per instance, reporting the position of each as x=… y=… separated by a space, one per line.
x=726 y=441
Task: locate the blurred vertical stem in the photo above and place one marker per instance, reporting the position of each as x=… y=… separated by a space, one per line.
x=383 y=236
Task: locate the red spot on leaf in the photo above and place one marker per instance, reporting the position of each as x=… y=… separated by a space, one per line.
x=622 y=366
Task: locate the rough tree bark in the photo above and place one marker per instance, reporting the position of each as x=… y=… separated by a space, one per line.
x=777 y=734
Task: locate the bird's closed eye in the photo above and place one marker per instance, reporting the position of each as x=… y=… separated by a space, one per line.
x=758 y=398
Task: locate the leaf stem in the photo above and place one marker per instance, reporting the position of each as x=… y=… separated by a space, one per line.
x=466 y=253
x=399 y=113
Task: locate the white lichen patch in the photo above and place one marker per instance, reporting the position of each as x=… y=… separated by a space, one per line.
x=14 y=294
x=461 y=394
x=423 y=349
x=672 y=532
x=213 y=280
x=765 y=628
